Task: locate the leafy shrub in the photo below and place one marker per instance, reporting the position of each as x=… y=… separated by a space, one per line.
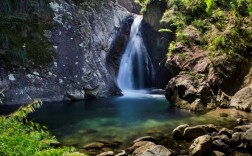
x=209 y=4
x=182 y=37
x=24 y=138
x=225 y=24
x=219 y=41
x=198 y=23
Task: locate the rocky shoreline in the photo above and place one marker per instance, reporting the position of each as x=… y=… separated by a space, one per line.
x=187 y=139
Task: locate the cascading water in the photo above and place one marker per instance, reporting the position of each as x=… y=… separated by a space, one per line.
x=135 y=68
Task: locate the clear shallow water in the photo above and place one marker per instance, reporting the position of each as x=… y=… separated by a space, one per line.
x=121 y=119
x=116 y=118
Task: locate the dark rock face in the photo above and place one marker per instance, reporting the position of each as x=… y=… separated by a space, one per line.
x=156 y=42
x=154 y=13
x=81 y=36
x=117 y=47
x=130 y=5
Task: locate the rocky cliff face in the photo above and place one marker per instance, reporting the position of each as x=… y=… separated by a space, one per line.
x=130 y=5
x=196 y=80
x=156 y=42
x=82 y=35
x=199 y=83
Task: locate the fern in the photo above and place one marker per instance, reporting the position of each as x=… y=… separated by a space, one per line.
x=209 y=4
x=1 y=95
x=22 y=112
x=165 y=30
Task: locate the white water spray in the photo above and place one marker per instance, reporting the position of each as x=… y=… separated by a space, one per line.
x=135 y=67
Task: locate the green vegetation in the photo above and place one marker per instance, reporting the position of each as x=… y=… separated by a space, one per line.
x=143 y=4
x=171 y=48
x=182 y=55
x=225 y=25
x=24 y=138
x=209 y=4
x=22 y=28
x=1 y=95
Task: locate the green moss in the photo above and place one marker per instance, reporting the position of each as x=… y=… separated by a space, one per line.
x=182 y=37
x=198 y=23
x=219 y=41
x=182 y=55
x=171 y=48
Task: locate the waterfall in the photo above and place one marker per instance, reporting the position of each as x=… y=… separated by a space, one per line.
x=136 y=69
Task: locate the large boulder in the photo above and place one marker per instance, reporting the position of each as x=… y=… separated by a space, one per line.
x=178 y=133
x=222 y=146
x=143 y=148
x=138 y=144
x=243 y=99
x=225 y=131
x=237 y=138
x=247 y=139
x=242 y=128
x=200 y=146
x=200 y=81
x=146 y=138
x=191 y=133
x=152 y=150
x=189 y=85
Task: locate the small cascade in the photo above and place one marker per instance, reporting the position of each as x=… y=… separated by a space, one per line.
x=135 y=68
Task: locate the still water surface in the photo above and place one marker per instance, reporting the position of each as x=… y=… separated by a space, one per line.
x=122 y=119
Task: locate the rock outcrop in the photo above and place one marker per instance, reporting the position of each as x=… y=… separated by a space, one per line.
x=156 y=42
x=81 y=36
x=200 y=83
x=243 y=99
x=145 y=146
x=210 y=141
x=197 y=77
x=130 y=5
